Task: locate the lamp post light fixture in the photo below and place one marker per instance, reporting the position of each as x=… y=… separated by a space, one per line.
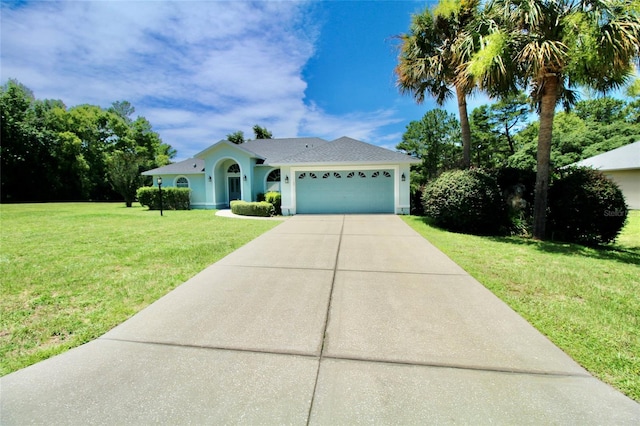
x=160 y=190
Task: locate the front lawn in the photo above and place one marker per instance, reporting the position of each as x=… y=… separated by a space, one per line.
x=587 y=301
x=72 y=271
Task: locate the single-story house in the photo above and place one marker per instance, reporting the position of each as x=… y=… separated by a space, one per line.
x=313 y=175
x=622 y=165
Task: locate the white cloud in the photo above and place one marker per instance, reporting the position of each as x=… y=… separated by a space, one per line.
x=197 y=70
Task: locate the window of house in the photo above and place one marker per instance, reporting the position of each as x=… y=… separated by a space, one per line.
x=273 y=181
x=182 y=182
x=274 y=176
x=234 y=168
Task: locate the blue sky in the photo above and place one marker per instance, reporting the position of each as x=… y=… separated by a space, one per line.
x=198 y=70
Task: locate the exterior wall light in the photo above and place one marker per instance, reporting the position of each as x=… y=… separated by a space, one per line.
x=403 y=177
x=245 y=178
x=209 y=178
x=286 y=179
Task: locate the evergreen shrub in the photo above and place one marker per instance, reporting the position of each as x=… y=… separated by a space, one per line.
x=466 y=201
x=260 y=208
x=585 y=207
x=172 y=198
x=274 y=198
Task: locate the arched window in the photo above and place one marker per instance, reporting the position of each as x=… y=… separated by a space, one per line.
x=274 y=176
x=182 y=182
x=234 y=168
x=273 y=181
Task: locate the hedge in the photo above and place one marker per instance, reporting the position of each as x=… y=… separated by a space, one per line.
x=585 y=207
x=172 y=198
x=260 y=208
x=466 y=201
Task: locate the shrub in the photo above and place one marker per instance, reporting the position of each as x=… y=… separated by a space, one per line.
x=585 y=207
x=518 y=187
x=260 y=208
x=172 y=198
x=276 y=199
x=465 y=201
x=415 y=202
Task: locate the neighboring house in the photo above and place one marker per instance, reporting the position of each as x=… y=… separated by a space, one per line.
x=621 y=165
x=313 y=175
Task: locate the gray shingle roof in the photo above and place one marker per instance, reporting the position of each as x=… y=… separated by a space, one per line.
x=273 y=150
x=191 y=166
x=626 y=157
x=346 y=150
x=288 y=151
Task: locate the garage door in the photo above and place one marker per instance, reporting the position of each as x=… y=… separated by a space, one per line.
x=345 y=191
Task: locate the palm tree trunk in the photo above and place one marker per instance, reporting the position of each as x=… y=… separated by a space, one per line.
x=547 y=112
x=464 y=127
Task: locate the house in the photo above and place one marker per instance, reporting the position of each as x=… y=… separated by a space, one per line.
x=622 y=165
x=313 y=175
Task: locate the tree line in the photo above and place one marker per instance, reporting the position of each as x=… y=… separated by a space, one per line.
x=53 y=153
x=549 y=48
x=503 y=136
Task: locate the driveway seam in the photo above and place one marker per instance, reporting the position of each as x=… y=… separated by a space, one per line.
x=405 y=272
x=215 y=348
x=354 y=359
x=460 y=367
x=326 y=321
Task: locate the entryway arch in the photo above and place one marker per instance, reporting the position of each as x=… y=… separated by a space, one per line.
x=227 y=182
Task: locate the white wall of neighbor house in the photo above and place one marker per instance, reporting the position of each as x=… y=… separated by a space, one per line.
x=629 y=183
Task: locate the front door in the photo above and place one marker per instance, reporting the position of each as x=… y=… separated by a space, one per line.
x=234 y=188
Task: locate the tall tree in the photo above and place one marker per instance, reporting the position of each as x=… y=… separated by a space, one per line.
x=431 y=54
x=236 y=137
x=261 y=132
x=124 y=174
x=435 y=140
x=551 y=47
x=485 y=143
x=508 y=115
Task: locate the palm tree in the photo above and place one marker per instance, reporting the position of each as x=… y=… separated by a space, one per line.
x=430 y=57
x=551 y=47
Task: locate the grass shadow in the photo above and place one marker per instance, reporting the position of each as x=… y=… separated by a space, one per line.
x=615 y=253
x=622 y=254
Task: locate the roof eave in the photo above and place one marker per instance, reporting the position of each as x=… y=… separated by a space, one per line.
x=153 y=173
x=343 y=163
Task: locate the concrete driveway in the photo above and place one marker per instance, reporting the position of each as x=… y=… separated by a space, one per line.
x=322 y=320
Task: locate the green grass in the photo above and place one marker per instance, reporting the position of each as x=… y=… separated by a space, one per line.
x=70 y=272
x=586 y=300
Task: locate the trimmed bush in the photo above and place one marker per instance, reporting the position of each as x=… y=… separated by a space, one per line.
x=260 y=208
x=172 y=198
x=585 y=207
x=465 y=201
x=274 y=198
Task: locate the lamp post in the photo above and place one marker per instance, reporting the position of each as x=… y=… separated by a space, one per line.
x=160 y=190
